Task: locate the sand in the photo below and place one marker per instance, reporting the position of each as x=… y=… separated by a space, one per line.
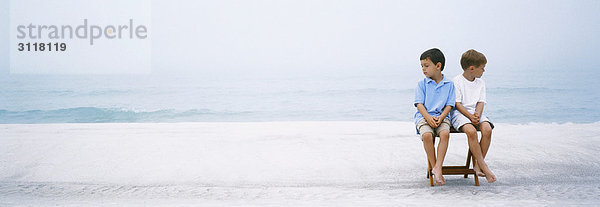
x=287 y=164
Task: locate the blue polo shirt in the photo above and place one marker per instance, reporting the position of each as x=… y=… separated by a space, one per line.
x=434 y=96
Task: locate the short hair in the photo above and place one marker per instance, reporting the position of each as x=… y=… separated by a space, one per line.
x=435 y=55
x=472 y=58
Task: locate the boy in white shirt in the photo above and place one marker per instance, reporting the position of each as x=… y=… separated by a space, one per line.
x=468 y=113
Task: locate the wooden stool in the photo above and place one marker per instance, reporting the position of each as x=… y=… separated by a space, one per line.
x=455 y=170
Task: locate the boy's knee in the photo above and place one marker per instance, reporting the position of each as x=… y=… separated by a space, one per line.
x=486 y=128
x=427 y=137
x=469 y=129
x=444 y=134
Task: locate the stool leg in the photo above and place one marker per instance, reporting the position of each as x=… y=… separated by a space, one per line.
x=474 y=175
x=429 y=173
x=428 y=168
x=469 y=156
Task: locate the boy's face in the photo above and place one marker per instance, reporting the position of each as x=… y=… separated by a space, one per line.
x=430 y=69
x=478 y=71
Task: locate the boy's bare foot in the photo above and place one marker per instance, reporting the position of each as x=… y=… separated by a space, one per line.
x=489 y=176
x=437 y=174
x=478 y=171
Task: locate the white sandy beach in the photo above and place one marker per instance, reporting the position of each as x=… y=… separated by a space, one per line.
x=287 y=164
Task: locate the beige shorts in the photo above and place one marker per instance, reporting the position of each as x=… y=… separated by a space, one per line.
x=423 y=127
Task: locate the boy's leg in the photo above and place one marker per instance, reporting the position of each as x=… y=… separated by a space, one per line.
x=441 y=153
x=486 y=137
x=471 y=133
x=428 y=140
x=428 y=145
x=475 y=148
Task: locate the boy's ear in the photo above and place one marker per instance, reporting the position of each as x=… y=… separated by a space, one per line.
x=438 y=65
x=471 y=67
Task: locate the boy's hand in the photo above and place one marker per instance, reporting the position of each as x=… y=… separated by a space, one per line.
x=475 y=119
x=439 y=120
x=431 y=121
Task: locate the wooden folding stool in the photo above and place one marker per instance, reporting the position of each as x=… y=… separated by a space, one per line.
x=455 y=170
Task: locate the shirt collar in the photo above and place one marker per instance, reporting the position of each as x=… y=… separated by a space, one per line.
x=444 y=80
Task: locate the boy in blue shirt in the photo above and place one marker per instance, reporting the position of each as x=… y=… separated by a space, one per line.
x=434 y=97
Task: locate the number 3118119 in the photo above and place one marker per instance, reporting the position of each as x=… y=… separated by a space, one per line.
x=39 y=46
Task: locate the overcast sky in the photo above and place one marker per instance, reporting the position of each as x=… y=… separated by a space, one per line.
x=356 y=37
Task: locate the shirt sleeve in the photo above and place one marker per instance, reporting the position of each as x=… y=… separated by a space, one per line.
x=458 y=92
x=482 y=97
x=420 y=93
x=451 y=97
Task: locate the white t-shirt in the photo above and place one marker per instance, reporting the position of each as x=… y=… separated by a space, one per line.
x=468 y=93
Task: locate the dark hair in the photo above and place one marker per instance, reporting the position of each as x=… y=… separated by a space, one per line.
x=435 y=55
x=472 y=58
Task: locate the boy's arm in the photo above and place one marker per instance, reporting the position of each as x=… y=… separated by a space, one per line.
x=450 y=102
x=443 y=115
x=481 y=103
x=426 y=115
x=474 y=119
x=419 y=100
x=462 y=109
x=479 y=109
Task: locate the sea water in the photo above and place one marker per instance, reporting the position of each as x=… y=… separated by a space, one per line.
x=513 y=96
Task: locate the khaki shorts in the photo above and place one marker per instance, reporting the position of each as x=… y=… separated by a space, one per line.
x=423 y=127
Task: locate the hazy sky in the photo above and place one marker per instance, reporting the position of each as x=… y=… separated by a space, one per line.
x=248 y=37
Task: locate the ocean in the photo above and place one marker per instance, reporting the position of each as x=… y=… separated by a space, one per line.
x=513 y=97
x=309 y=141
